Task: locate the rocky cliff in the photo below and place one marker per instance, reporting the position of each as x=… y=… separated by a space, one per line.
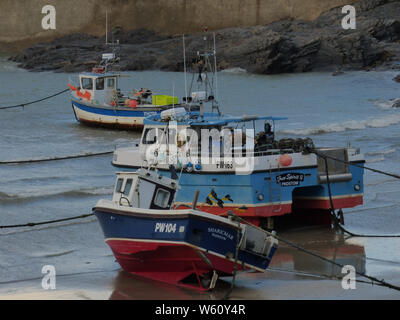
x=20 y=21
x=286 y=45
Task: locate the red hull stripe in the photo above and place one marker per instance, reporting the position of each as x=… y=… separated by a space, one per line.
x=167 y=261
x=270 y=210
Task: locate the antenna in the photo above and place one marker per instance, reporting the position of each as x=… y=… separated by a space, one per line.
x=106 y=26
x=173 y=95
x=215 y=69
x=184 y=69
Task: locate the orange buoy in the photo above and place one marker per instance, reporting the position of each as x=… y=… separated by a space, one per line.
x=285 y=160
x=133 y=103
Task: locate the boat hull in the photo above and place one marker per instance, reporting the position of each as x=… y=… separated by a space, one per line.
x=262 y=196
x=179 y=247
x=124 y=118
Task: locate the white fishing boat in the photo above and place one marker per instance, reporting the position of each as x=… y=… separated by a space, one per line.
x=99 y=101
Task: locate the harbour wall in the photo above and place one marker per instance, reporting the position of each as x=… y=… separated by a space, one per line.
x=21 y=20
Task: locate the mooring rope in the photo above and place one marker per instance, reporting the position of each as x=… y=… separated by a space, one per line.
x=32 y=224
x=57 y=158
x=22 y=105
x=373 y=279
x=332 y=208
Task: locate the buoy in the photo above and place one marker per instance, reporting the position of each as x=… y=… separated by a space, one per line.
x=285 y=160
x=133 y=103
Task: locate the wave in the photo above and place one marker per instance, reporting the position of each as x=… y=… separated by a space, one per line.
x=377 y=159
x=386 y=104
x=66 y=177
x=382 y=122
x=235 y=70
x=376 y=153
x=49 y=255
x=27 y=196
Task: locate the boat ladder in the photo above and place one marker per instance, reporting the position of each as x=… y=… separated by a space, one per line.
x=275 y=192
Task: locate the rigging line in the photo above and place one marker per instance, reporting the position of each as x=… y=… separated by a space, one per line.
x=294 y=245
x=382 y=282
x=336 y=221
x=57 y=158
x=32 y=102
x=317 y=275
x=32 y=224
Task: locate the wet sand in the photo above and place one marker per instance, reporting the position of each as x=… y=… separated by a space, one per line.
x=292 y=275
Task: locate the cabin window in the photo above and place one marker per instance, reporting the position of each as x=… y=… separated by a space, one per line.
x=128 y=186
x=111 y=83
x=87 y=83
x=100 y=84
x=149 y=136
x=118 y=187
x=162 y=198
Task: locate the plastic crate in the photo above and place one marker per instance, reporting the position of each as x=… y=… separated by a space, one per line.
x=161 y=100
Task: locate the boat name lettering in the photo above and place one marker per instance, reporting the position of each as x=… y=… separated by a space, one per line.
x=165 y=227
x=221 y=234
x=149 y=113
x=290 y=179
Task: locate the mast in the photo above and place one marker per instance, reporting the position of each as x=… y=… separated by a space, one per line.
x=106 y=26
x=184 y=70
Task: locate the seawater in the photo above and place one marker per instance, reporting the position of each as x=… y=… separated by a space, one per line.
x=351 y=108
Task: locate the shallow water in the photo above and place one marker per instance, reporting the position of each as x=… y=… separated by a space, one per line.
x=353 y=108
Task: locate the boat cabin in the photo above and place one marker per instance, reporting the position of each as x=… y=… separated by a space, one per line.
x=99 y=87
x=188 y=134
x=145 y=189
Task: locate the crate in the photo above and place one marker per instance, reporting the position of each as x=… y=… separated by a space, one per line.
x=162 y=99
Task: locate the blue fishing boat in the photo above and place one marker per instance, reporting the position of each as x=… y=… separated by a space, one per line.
x=238 y=162
x=267 y=176
x=181 y=246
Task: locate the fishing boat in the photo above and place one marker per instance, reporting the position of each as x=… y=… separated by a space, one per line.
x=180 y=246
x=98 y=100
x=271 y=178
x=238 y=162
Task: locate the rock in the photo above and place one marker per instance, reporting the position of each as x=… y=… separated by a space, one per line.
x=337 y=72
x=396 y=103
x=397 y=78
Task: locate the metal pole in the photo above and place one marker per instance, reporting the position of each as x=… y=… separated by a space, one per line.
x=196 y=197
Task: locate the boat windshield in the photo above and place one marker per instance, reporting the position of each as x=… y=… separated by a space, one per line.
x=100 y=84
x=119 y=185
x=128 y=186
x=87 y=83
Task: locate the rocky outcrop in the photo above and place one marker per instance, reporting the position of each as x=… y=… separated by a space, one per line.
x=284 y=46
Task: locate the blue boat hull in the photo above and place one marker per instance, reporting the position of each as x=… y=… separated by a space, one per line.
x=176 y=248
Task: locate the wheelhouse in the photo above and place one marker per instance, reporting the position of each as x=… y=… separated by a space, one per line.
x=102 y=87
x=144 y=189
